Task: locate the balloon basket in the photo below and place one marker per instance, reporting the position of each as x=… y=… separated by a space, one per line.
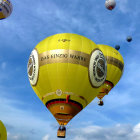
x=100 y=103
x=61 y=133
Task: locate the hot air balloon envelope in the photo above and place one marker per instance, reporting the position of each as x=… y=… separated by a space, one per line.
x=129 y=39
x=5 y=9
x=3 y=132
x=115 y=67
x=65 y=71
x=117 y=47
x=110 y=4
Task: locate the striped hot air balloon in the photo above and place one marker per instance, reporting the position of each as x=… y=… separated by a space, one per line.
x=5 y=9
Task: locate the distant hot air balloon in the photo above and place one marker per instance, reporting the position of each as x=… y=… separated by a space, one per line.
x=3 y=132
x=5 y=9
x=110 y=4
x=117 y=47
x=115 y=66
x=65 y=71
x=129 y=38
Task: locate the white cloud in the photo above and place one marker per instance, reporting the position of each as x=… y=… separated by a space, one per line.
x=137 y=129
x=136 y=132
x=21 y=123
x=16 y=136
x=78 y=138
x=117 y=132
x=91 y=129
x=46 y=137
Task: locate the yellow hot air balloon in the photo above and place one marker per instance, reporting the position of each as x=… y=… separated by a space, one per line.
x=65 y=71
x=3 y=132
x=5 y=9
x=115 y=66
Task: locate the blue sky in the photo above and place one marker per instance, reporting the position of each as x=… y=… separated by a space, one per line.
x=24 y=115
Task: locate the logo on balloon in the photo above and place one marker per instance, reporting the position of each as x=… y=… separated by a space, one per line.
x=59 y=92
x=33 y=67
x=97 y=68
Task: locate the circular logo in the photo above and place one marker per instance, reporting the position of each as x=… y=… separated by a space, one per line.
x=59 y=92
x=32 y=68
x=97 y=68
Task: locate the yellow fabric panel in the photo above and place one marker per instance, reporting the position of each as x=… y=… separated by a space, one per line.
x=65 y=76
x=110 y=51
x=3 y=132
x=113 y=73
x=1 y=15
x=73 y=42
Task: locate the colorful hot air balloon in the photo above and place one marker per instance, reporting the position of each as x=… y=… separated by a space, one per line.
x=5 y=9
x=65 y=71
x=110 y=4
x=3 y=132
x=115 y=66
